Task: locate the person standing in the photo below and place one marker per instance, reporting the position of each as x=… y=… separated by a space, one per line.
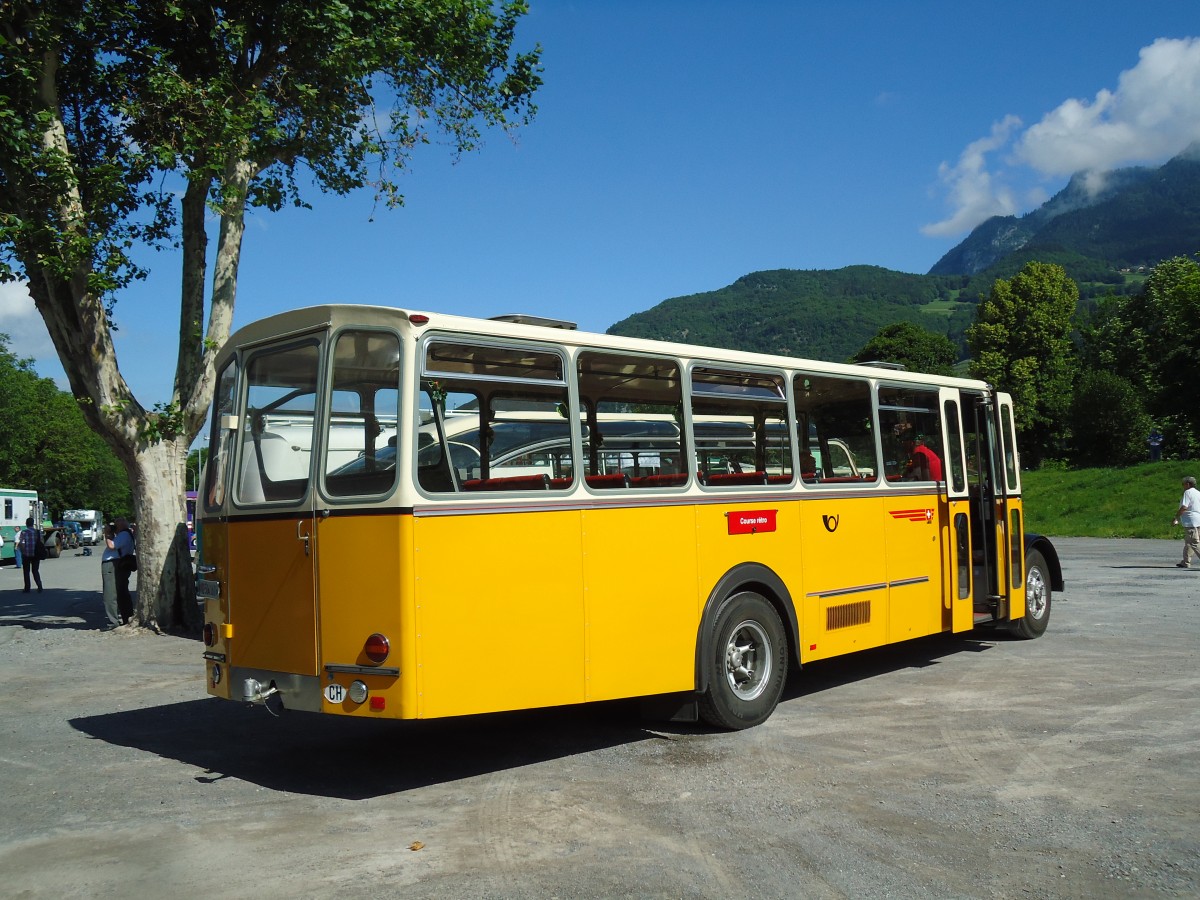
x=1189 y=517
x=30 y=558
x=16 y=538
x=125 y=549
x=1155 y=442
x=108 y=577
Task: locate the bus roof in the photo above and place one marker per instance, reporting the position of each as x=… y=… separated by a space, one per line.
x=337 y=316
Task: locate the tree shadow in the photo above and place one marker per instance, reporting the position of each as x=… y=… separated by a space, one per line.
x=356 y=759
x=55 y=608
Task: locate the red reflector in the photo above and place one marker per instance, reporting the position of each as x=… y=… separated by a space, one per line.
x=419 y=319
x=210 y=634
x=378 y=703
x=377 y=648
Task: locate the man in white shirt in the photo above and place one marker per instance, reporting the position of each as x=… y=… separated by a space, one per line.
x=1189 y=517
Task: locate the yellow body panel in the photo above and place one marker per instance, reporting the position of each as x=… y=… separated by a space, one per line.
x=489 y=611
x=364 y=576
x=962 y=609
x=781 y=550
x=1016 y=580
x=272 y=602
x=844 y=588
x=914 y=566
x=499 y=612
x=640 y=601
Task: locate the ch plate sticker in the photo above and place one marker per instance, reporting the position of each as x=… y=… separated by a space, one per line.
x=335 y=693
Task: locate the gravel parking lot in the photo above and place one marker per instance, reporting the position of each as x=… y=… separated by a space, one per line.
x=952 y=767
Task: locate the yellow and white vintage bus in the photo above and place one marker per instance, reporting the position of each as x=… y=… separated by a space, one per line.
x=415 y=515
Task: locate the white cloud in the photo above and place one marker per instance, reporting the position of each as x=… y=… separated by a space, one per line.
x=975 y=192
x=1153 y=114
x=21 y=321
x=28 y=338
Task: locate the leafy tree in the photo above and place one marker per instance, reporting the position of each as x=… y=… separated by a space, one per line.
x=1153 y=340
x=125 y=124
x=46 y=446
x=1109 y=425
x=914 y=347
x=1021 y=343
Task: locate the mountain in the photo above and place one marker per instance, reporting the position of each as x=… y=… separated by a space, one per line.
x=820 y=314
x=1097 y=226
x=1127 y=218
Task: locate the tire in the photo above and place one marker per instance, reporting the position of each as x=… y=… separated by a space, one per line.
x=746 y=664
x=1037 y=599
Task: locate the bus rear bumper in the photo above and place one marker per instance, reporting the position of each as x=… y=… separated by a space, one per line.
x=299 y=692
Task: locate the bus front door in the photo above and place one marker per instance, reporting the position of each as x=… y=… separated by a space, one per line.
x=955 y=519
x=988 y=509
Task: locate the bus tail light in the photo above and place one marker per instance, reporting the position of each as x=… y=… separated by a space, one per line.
x=358 y=691
x=210 y=634
x=377 y=648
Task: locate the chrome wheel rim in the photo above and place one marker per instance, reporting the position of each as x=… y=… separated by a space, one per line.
x=1036 y=596
x=748 y=660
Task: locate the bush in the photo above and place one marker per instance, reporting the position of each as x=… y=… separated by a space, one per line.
x=1109 y=424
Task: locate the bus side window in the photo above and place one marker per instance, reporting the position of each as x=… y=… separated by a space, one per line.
x=836 y=430
x=743 y=433
x=910 y=428
x=493 y=418
x=632 y=408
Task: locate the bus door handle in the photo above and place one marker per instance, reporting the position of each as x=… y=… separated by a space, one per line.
x=303 y=536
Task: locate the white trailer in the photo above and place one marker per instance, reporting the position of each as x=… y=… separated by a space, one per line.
x=91 y=522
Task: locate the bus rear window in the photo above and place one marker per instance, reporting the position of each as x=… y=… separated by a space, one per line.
x=277 y=434
x=360 y=440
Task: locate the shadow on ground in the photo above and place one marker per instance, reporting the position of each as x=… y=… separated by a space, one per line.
x=355 y=759
x=52 y=608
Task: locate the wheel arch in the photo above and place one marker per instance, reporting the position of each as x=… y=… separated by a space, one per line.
x=1042 y=545
x=746 y=577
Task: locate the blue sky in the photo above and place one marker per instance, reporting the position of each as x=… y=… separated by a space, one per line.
x=680 y=145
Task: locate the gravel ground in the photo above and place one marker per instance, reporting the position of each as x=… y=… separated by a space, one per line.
x=976 y=766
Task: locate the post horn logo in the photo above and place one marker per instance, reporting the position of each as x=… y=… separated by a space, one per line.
x=831 y=523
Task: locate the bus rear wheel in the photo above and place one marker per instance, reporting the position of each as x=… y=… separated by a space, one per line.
x=746 y=665
x=1037 y=599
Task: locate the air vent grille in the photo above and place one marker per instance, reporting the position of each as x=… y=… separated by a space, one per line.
x=848 y=614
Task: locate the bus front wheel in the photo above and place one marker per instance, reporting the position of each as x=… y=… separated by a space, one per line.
x=1037 y=599
x=746 y=665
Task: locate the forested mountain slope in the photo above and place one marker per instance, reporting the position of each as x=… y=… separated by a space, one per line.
x=1137 y=218
x=1126 y=218
x=821 y=314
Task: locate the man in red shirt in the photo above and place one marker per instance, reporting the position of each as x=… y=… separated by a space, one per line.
x=923 y=463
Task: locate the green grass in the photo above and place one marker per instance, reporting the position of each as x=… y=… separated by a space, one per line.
x=1135 y=502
